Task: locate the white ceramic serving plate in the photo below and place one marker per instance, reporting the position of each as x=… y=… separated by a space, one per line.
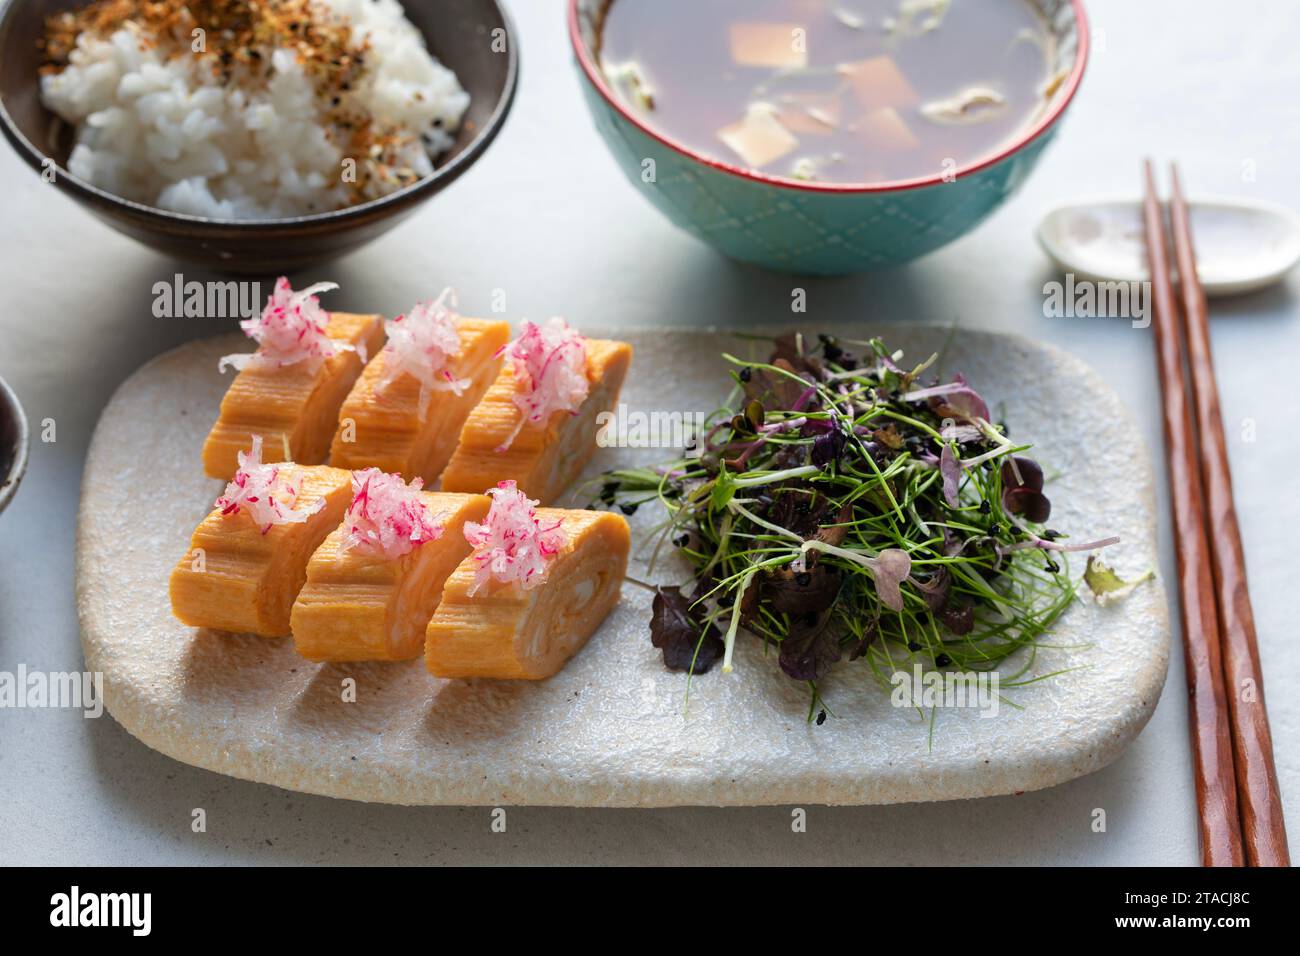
x=612 y=729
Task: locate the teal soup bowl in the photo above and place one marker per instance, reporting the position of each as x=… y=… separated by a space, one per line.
x=813 y=228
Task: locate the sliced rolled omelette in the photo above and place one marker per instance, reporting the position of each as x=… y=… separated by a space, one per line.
x=289 y=391
x=359 y=606
x=398 y=429
x=542 y=459
x=241 y=575
x=505 y=631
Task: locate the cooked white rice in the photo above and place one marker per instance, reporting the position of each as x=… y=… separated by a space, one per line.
x=167 y=132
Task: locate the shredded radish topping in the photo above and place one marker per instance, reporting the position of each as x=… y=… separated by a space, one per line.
x=511 y=545
x=268 y=493
x=387 y=517
x=291 y=329
x=550 y=369
x=420 y=344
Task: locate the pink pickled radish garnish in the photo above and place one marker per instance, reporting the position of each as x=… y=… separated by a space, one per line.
x=291 y=329
x=511 y=545
x=387 y=516
x=421 y=344
x=267 y=493
x=550 y=369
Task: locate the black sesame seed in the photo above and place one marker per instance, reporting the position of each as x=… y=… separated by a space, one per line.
x=1052 y=567
x=985 y=507
x=821 y=718
x=746 y=374
x=943 y=660
x=628 y=508
x=913 y=646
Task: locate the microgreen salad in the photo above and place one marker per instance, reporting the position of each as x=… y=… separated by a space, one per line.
x=839 y=506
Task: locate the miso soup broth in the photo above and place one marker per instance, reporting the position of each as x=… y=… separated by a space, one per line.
x=846 y=91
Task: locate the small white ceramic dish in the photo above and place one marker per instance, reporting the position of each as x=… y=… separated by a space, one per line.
x=1241 y=245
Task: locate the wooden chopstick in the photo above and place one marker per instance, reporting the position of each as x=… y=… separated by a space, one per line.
x=1216 y=794
x=1259 y=801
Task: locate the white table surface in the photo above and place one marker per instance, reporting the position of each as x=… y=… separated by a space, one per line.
x=547 y=217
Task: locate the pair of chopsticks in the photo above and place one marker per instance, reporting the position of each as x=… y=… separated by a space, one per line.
x=1236 y=783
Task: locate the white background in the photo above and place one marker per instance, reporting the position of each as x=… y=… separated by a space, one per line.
x=546 y=216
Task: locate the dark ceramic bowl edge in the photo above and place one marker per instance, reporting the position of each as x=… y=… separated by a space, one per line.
x=172 y=223
x=18 y=467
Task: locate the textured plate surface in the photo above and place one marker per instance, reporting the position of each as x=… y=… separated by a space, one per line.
x=612 y=729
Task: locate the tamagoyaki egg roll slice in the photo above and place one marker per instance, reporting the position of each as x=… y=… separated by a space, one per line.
x=289 y=391
x=537 y=424
x=375 y=581
x=248 y=558
x=405 y=412
x=537 y=586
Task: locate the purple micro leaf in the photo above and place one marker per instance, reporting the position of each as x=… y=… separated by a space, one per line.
x=951 y=470
x=1020 y=471
x=890 y=568
x=810 y=648
x=958 y=617
x=687 y=642
x=934 y=588
x=1022 y=489
x=827 y=448
x=1033 y=505
x=960 y=433
x=955 y=400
